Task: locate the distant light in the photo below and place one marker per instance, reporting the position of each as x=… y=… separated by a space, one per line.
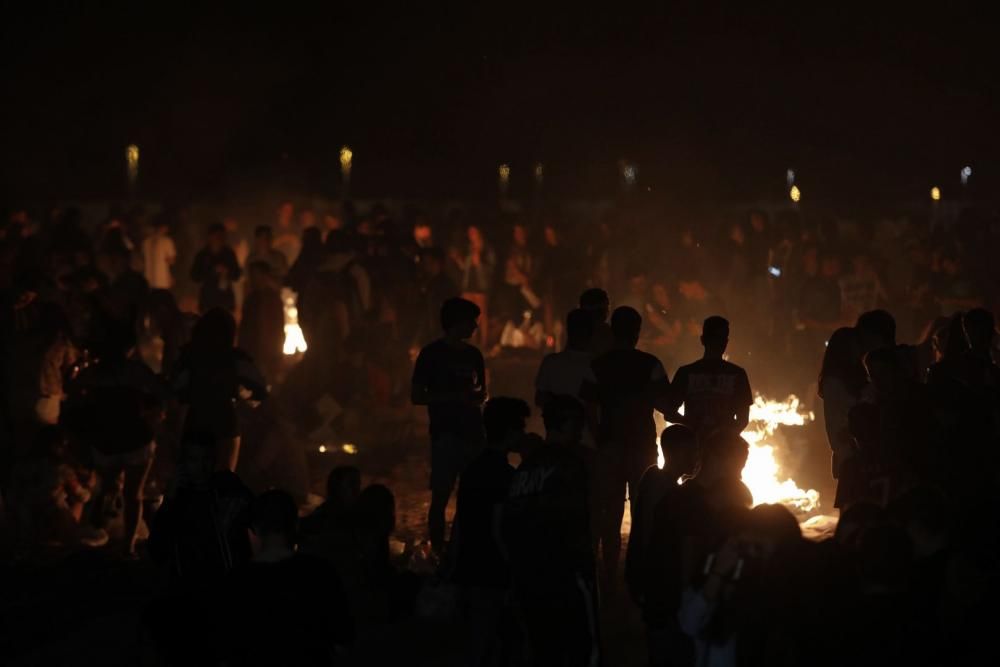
x=630 y=172
x=350 y=448
x=322 y=449
x=539 y=173
x=936 y=193
x=132 y=162
x=503 y=173
x=795 y=194
x=346 y=157
x=966 y=172
x=790 y=177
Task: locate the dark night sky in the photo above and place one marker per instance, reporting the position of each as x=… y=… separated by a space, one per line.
x=709 y=99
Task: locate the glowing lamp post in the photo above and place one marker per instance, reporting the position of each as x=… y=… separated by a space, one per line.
x=795 y=194
x=132 y=165
x=935 y=194
x=503 y=179
x=346 y=156
x=966 y=173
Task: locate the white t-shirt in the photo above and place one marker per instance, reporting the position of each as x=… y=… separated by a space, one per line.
x=159 y=254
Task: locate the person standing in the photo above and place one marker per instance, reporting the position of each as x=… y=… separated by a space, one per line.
x=215 y=269
x=264 y=251
x=450 y=379
x=629 y=385
x=715 y=393
x=159 y=254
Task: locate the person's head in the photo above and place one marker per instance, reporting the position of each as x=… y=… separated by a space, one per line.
x=332 y=221
x=680 y=449
x=214 y=333
x=596 y=302
x=579 y=329
x=423 y=236
x=768 y=528
x=551 y=235
x=475 y=237
x=432 y=261
x=715 y=335
x=376 y=511
x=286 y=212
x=980 y=328
x=723 y=456
x=343 y=486
x=274 y=518
x=504 y=420
x=564 y=419
x=459 y=318
x=216 y=237
x=307 y=218
x=520 y=235
x=626 y=325
x=263 y=238
x=842 y=361
x=876 y=328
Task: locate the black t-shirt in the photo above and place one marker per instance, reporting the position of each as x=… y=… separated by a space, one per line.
x=630 y=384
x=712 y=391
x=292 y=612
x=484 y=486
x=444 y=368
x=546 y=518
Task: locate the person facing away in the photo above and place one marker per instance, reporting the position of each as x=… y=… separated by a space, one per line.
x=629 y=385
x=159 y=254
x=262 y=327
x=264 y=251
x=259 y=627
x=680 y=454
x=210 y=375
x=215 y=269
x=450 y=379
x=480 y=567
x=565 y=373
x=715 y=393
x=596 y=302
x=546 y=533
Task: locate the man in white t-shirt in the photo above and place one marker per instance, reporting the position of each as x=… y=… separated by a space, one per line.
x=159 y=255
x=564 y=373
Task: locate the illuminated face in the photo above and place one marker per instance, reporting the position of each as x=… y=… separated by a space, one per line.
x=475 y=238
x=285 y=213
x=520 y=235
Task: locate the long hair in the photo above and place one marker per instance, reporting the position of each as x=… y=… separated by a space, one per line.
x=842 y=360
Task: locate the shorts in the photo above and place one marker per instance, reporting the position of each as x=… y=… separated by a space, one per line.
x=450 y=454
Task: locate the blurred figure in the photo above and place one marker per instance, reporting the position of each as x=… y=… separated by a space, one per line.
x=308 y=262
x=159 y=254
x=265 y=253
x=286 y=240
x=476 y=265
x=215 y=269
x=595 y=301
x=262 y=327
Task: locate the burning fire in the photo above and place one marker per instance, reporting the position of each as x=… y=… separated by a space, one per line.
x=762 y=474
x=295 y=342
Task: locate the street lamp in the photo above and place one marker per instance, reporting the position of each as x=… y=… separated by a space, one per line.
x=935 y=193
x=503 y=178
x=346 y=156
x=795 y=194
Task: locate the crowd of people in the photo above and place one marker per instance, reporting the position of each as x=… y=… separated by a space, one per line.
x=151 y=410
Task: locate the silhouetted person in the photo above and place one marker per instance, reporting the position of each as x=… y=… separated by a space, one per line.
x=480 y=565
x=262 y=327
x=546 y=531
x=450 y=379
x=343 y=486
x=842 y=380
x=680 y=453
x=307 y=263
x=876 y=329
x=629 y=385
x=596 y=302
x=565 y=373
x=209 y=378
x=264 y=251
x=715 y=393
x=261 y=596
x=688 y=524
x=215 y=269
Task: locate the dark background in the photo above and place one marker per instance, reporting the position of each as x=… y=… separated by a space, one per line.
x=712 y=100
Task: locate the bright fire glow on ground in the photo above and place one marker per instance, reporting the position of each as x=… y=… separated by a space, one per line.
x=295 y=342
